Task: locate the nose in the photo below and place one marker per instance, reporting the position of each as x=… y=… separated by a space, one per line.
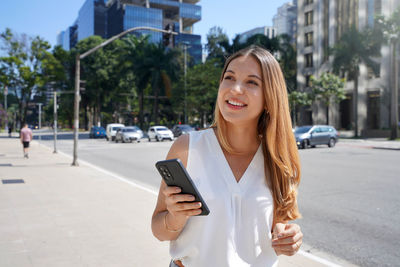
x=237 y=88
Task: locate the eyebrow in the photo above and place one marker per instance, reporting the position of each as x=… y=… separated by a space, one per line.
x=251 y=75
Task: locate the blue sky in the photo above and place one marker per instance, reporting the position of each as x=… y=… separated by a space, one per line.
x=48 y=17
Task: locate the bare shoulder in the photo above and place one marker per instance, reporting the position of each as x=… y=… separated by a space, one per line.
x=179 y=149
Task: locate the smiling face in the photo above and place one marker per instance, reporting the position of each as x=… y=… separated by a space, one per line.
x=240 y=95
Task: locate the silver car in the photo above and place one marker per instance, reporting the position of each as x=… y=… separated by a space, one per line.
x=316 y=135
x=128 y=134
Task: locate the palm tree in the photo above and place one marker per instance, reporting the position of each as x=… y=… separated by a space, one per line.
x=134 y=59
x=163 y=66
x=353 y=49
x=154 y=64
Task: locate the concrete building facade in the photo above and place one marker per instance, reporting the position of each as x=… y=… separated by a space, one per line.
x=320 y=25
x=285 y=20
x=268 y=31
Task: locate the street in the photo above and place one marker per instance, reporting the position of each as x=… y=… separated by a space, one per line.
x=348 y=195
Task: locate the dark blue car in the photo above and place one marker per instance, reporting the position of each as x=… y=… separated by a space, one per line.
x=97 y=132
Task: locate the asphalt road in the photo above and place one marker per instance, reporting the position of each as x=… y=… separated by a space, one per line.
x=349 y=196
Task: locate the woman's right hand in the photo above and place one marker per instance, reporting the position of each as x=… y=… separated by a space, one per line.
x=180 y=206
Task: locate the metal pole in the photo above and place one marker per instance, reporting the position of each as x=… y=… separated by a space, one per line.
x=5 y=107
x=77 y=81
x=395 y=87
x=40 y=120
x=76 y=110
x=55 y=121
x=185 y=117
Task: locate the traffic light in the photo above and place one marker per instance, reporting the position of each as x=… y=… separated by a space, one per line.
x=168 y=38
x=82 y=85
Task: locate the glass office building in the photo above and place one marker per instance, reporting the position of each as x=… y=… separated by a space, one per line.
x=115 y=16
x=136 y=16
x=92 y=19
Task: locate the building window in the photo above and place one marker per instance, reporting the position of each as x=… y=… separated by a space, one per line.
x=378 y=7
x=309 y=38
x=325 y=40
x=309 y=18
x=372 y=74
x=308 y=2
x=308 y=80
x=373 y=110
x=309 y=60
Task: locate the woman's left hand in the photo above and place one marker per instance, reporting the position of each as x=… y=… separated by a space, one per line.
x=286 y=239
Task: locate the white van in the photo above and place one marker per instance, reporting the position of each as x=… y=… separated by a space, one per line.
x=111 y=130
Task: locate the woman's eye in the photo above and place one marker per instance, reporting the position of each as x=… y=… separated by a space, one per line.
x=253 y=82
x=228 y=78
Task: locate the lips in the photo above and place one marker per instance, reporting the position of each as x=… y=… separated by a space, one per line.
x=235 y=104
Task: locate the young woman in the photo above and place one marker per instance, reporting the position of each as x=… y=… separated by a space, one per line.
x=247 y=169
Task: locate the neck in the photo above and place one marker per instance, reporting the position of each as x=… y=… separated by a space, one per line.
x=243 y=139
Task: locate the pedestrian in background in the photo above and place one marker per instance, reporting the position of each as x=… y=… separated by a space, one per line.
x=10 y=131
x=26 y=138
x=247 y=169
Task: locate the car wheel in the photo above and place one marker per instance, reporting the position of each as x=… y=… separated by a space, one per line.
x=331 y=142
x=138 y=141
x=304 y=144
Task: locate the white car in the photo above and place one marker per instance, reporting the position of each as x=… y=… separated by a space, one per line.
x=159 y=133
x=111 y=130
x=127 y=134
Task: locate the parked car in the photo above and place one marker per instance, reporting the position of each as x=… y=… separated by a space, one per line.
x=137 y=129
x=111 y=130
x=127 y=134
x=97 y=132
x=180 y=129
x=316 y=135
x=159 y=133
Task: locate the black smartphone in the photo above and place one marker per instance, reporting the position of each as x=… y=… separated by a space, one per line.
x=174 y=174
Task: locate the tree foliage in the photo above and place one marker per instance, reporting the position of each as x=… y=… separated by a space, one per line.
x=328 y=88
x=26 y=68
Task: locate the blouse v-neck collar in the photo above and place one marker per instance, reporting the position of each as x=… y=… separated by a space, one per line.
x=229 y=176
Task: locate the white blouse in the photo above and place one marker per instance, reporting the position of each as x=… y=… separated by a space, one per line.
x=237 y=232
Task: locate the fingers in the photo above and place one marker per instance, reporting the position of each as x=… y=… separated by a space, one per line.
x=180 y=204
x=287 y=241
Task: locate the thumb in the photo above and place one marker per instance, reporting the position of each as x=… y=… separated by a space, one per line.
x=278 y=229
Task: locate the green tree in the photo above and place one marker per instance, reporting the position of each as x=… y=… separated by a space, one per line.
x=102 y=81
x=63 y=83
x=298 y=99
x=217 y=42
x=154 y=65
x=391 y=32
x=353 y=49
x=202 y=89
x=329 y=88
x=26 y=68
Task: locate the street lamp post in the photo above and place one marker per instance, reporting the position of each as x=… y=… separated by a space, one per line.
x=5 y=108
x=40 y=119
x=55 y=120
x=185 y=70
x=77 y=80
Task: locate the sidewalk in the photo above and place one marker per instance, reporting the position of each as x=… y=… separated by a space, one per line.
x=374 y=143
x=77 y=216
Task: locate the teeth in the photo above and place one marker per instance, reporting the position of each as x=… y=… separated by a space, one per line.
x=235 y=103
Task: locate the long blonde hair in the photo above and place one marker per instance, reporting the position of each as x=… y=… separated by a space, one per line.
x=281 y=159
